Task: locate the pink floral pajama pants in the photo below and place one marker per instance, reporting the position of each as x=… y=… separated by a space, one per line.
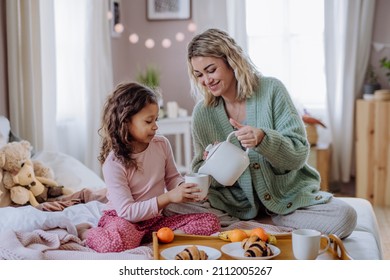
x=115 y=234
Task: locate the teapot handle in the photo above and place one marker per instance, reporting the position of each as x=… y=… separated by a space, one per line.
x=230 y=136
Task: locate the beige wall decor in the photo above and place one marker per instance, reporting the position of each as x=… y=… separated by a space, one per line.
x=168 y=9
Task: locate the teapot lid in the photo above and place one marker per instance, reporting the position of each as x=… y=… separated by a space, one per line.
x=211 y=149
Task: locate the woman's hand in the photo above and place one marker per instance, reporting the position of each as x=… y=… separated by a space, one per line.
x=208 y=148
x=186 y=192
x=248 y=136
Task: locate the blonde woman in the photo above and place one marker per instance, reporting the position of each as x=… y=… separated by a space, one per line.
x=278 y=181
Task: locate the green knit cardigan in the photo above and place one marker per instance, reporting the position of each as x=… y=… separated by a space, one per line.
x=278 y=175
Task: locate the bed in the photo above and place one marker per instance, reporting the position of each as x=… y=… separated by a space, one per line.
x=38 y=233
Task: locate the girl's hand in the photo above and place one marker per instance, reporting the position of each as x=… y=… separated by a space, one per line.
x=186 y=192
x=249 y=136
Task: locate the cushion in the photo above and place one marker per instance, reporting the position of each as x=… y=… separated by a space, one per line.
x=5 y=130
x=70 y=172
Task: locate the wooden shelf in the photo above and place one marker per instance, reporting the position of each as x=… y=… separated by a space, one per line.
x=373 y=151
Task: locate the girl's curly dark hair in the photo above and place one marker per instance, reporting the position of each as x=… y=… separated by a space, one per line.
x=121 y=105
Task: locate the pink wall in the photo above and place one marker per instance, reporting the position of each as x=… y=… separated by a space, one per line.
x=129 y=58
x=381 y=34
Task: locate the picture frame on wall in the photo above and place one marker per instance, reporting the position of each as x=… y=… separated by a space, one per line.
x=168 y=10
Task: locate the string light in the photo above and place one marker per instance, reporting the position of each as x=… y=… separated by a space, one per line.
x=180 y=36
x=119 y=28
x=166 y=43
x=192 y=27
x=133 y=38
x=149 y=43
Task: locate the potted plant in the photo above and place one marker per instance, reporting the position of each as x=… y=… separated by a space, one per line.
x=371 y=83
x=150 y=78
x=385 y=64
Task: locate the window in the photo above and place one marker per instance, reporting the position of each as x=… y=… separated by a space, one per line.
x=70 y=29
x=285 y=40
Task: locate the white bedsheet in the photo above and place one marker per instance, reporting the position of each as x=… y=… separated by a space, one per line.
x=28 y=218
x=364 y=243
x=29 y=233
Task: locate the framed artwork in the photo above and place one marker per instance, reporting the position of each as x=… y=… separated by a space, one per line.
x=168 y=9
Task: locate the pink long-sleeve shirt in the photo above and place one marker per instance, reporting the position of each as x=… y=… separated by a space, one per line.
x=133 y=193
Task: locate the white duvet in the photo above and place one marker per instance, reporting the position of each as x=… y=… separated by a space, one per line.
x=28 y=218
x=72 y=174
x=29 y=233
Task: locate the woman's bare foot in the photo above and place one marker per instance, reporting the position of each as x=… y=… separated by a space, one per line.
x=82 y=230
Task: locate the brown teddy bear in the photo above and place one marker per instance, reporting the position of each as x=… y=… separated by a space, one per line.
x=42 y=188
x=26 y=181
x=5 y=198
x=12 y=156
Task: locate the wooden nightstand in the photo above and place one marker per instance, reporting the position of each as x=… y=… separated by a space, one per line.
x=373 y=151
x=319 y=158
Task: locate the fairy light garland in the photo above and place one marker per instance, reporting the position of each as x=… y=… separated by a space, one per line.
x=150 y=42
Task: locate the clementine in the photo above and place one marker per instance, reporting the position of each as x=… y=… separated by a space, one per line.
x=260 y=232
x=165 y=235
x=237 y=235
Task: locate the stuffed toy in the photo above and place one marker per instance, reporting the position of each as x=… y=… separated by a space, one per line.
x=42 y=188
x=21 y=196
x=46 y=176
x=26 y=181
x=12 y=156
x=5 y=199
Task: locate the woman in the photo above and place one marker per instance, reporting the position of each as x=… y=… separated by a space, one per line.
x=278 y=181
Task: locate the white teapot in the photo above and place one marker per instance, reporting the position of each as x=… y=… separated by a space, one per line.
x=225 y=162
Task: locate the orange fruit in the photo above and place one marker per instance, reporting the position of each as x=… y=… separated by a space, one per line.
x=237 y=235
x=260 y=232
x=165 y=235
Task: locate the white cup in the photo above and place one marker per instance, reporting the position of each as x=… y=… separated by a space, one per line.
x=201 y=180
x=306 y=244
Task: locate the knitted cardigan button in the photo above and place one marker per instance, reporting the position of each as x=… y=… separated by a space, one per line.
x=318 y=197
x=267 y=196
x=256 y=165
x=289 y=205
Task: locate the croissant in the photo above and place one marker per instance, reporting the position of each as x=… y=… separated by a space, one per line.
x=245 y=243
x=258 y=249
x=192 y=253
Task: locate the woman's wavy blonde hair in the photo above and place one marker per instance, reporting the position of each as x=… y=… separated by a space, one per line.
x=121 y=105
x=217 y=43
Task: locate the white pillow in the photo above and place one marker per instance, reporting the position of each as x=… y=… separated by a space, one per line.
x=5 y=129
x=70 y=172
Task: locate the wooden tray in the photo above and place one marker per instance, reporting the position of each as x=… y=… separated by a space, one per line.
x=335 y=252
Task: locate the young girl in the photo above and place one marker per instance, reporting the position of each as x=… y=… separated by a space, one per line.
x=140 y=175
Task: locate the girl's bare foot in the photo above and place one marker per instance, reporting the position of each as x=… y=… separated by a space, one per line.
x=82 y=230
